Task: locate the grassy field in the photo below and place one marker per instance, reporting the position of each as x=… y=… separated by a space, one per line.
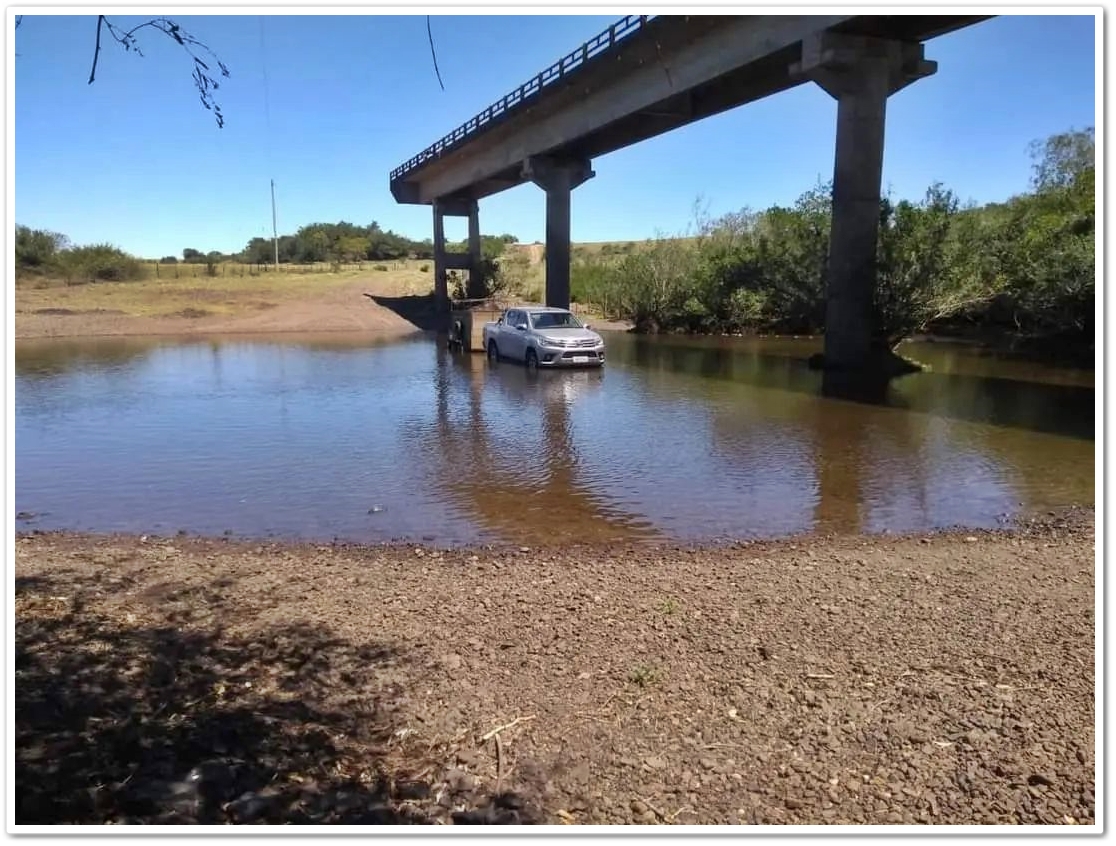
x=235 y=289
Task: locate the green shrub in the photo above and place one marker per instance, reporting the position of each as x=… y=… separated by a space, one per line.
x=37 y=248
x=101 y=263
x=1028 y=265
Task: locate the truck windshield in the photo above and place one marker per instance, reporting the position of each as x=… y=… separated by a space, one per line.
x=554 y=320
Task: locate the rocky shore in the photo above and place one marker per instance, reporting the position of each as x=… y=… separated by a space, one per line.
x=935 y=679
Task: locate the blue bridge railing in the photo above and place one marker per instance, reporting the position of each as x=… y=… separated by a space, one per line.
x=600 y=45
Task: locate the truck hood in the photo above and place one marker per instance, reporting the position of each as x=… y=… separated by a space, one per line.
x=568 y=334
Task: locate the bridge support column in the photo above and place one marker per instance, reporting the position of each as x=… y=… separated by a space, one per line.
x=475 y=289
x=441 y=287
x=860 y=73
x=444 y=260
x=558 y=178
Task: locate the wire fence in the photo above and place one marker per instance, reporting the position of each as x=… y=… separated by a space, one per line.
x=192 y=270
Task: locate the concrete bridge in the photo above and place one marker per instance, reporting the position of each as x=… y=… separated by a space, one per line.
x=644 y=76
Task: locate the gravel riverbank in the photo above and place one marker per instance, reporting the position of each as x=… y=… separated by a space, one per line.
x=931 y=679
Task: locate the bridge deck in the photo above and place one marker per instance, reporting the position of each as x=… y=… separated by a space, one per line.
x=513 y=127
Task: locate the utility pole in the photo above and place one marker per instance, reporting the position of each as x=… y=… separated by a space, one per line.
x=274 y=227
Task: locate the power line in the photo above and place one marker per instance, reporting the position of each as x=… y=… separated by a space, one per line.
x=267 y=138
x=267 y=92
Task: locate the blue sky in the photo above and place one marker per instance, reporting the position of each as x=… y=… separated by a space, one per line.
x=136 y=161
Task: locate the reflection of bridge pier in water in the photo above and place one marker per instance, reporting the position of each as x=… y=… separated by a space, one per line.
x=839 y=457
x=527 y=492
x=855 y=423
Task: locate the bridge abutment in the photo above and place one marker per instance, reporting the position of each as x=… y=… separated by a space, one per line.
x=444 y=260
x=558 y=177
x=860 y=73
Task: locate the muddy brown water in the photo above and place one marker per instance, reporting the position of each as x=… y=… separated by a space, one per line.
x=675 y=439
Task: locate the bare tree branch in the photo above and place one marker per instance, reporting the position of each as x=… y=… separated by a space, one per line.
x=204 y=79
x=434 y=55
x=19 y=20
x=96 y=50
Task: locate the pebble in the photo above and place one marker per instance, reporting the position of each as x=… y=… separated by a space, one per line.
x=460 y=781
x=251 y=806
x=469 y=757
x=413 y=790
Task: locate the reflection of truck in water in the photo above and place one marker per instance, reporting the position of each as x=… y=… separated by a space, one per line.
x=522 y=386
x=543 y=336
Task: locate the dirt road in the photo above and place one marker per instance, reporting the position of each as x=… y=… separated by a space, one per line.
x=334 y=308
x=936 y=679
x=282 y=303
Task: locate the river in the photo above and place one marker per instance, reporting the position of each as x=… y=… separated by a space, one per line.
x=675 y=439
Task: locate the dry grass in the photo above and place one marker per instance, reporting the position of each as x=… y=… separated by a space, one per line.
x=228 y=294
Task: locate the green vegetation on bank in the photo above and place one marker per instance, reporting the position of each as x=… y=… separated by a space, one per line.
x=1026 y=265
x=346 y=242
x=51 y=255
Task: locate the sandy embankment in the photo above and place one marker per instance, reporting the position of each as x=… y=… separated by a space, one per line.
x=340 y=308
x=937 y=679
x=313 y=306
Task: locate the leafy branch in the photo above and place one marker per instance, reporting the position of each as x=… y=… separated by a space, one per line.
x=205 y=79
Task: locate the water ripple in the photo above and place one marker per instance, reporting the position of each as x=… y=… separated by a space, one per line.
x=676 y=438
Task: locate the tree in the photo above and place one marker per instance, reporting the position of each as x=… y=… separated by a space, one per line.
x=192 y=256
x=1062 y=159
x=912 y=267
x=38 y=248
x=352 y=247
x=259 y=251
x=288 y=248
x=313 y=243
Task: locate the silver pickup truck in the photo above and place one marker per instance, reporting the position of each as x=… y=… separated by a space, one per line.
x=541 y=336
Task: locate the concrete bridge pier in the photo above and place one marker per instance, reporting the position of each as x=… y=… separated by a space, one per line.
x=860 y=72
x=558 y=177
x=445 y=260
